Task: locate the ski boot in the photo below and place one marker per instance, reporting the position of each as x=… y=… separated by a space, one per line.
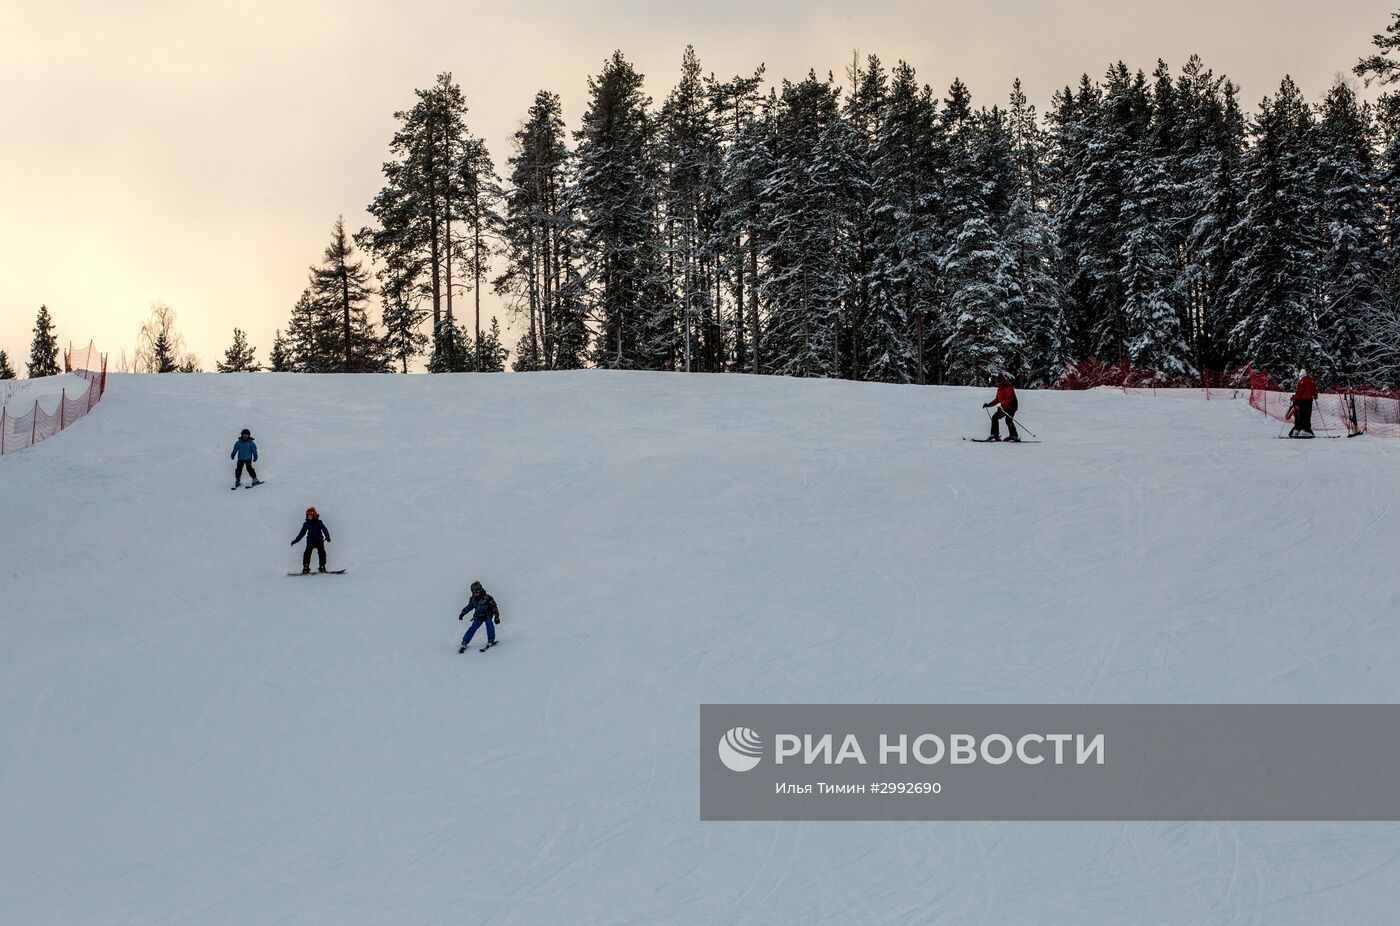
x=1013 y=440
x=306 y=570
x=994 y=439
x=322 y=569
x=461 y=650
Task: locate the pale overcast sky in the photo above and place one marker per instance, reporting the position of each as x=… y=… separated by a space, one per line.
x=198 y=153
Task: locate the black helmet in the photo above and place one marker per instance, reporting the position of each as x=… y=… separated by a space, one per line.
x=476 y=587
x=245 y=433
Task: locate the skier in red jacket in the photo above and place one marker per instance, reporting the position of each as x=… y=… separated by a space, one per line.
x=1301 y=410
x=1006 y=408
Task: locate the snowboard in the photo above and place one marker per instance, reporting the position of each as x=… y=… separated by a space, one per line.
x=988 y=440
x=329 y=572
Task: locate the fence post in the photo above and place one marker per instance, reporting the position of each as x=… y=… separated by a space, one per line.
x=62 y=408
x=4 y=428
x=34 y=425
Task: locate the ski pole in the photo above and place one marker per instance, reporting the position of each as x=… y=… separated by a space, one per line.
x=1012 y=418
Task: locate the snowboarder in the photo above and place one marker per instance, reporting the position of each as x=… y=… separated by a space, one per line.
x=1006 y=408
x=484 y=611
x=246 y=453
x=317 y=536
x=1301 y=410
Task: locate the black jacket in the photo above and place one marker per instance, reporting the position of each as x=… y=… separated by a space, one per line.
x=314 y=531
x=483 y=606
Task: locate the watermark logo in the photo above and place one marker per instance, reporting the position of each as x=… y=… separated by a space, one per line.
x=740 y=749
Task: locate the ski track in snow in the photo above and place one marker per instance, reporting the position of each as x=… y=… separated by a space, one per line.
x=189 y=738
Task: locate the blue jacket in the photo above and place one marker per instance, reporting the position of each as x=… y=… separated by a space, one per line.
x=245 y=450
x=483 y=606
x=314 y=531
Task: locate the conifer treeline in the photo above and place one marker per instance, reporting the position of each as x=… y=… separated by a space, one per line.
x=873 y=229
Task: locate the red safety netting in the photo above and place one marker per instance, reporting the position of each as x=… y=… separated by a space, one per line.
x=1341 y=410
x=20 y=431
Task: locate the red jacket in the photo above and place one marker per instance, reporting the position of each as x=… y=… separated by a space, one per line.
x=1006 y=394
x=1307 y=389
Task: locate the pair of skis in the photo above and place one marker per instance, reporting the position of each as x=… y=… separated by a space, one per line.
x=988 y=440
x=463 y=649
x=248 y=486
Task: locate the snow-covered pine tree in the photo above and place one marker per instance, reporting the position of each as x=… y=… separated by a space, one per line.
x=616 y=185
x=43 y=350
x=539 y=231
x=1384 y=67
x=240 y=357
x=1381 y=342
x=414 y=210
x=1029 y=234
x=747 y=163
x=1097 y=135
x=1273 y=282
x=6 y=371
x=340 y=290
x=807 y=232
x=863 y=113
x=1172 y=139
x=1214 y=167
x=1349 y=228
x=980 y=279
x=689 y=152
x=1152 y=333
x=902 y=233
x=1388 y=193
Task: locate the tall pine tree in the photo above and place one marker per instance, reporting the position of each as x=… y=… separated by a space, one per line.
x=1273 y=284
x=617 y=193
x=43 y=350
x=340 y=291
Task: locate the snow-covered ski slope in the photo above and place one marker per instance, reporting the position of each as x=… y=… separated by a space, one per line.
x=189 y=736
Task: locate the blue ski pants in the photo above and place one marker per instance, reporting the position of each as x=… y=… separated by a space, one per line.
x=490 y=631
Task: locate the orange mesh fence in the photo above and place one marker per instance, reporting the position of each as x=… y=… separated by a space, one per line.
x=20 y=431
x=1339 y=409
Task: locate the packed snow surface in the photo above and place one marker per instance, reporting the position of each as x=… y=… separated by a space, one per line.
x=187 y=735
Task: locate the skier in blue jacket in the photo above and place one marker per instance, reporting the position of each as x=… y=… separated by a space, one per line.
x=317 y=536
x=484 y=611
x=246 y=453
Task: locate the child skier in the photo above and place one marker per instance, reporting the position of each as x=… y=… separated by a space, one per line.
x=317 y=536
x=1301 y=410
x=1006 y=408
x=246 y=453
x=484 y=611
